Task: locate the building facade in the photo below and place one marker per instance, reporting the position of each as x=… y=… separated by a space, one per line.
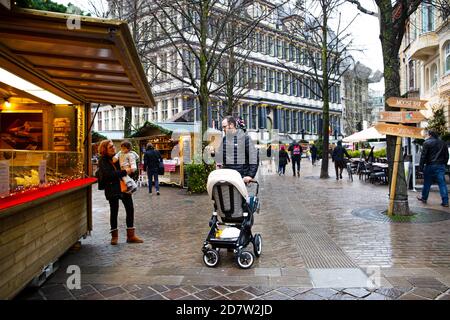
x=425 y=59
x=357 y=112
x=376 y=104
x=273 y=99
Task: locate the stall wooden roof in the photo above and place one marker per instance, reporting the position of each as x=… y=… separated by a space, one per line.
x=96 y=63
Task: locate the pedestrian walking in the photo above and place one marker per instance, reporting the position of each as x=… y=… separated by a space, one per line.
x=313 y=150
x=338 y=158
x=433 y=161
x=296 y=156
x=152 y=161
x=269 y=156
x=283 y=157
x=110 y=175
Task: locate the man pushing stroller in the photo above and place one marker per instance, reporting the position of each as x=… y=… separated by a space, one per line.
x=237 y=152
x=234 y=208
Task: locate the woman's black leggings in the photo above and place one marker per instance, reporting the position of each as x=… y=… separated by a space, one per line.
x=127 y=201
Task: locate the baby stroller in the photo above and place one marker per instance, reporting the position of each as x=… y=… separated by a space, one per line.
x=232 y=219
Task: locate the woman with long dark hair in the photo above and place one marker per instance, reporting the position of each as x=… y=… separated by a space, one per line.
x=110 y=175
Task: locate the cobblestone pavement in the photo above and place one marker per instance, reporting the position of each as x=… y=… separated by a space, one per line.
x=313 y=248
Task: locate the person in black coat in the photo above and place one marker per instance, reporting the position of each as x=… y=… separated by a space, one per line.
x=283 y=157
x=110 y=176
x=237 y=151
x=338 y=158
x=152 y=161
x=296 y=156
x=433 y=163
x=313 y=150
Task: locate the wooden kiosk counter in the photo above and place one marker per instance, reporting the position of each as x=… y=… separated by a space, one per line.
x=50 y=73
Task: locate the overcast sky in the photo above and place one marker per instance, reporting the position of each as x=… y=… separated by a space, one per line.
x=365 y=32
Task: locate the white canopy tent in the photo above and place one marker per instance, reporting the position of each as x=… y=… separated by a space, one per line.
x=364 y=135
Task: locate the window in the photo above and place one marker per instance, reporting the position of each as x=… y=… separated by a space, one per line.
x=288 y=121
x=99 y=121
x=286 y=84
x=300 y=87
x=411 y=74
x=294 y=87
x=106 y=120
x=253 y=80
x=428 y=18
x=254 y=115
x=434 y=74
x=121 y=120
x=286 y=55
x=175 y=106
x=145 y=114
x=164 y=110
x=279 y=48
x=244 y=114
x=271 y=86
x=447 y=58
x=271 y=46
x=113 y=119
x=263 y=79
x=295 y=122
x=279 y=82
x=301 y=124
x=306 y=88
x=283 y=120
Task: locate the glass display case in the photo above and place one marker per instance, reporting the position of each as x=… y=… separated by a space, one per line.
x=26 y=170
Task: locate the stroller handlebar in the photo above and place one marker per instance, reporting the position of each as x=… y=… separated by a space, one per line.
x=257 y=185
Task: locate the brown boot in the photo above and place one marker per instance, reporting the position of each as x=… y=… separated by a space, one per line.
x=114 y=237
x=131 y=237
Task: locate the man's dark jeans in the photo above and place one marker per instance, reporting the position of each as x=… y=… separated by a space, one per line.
x=431 y=173
x=295 y=163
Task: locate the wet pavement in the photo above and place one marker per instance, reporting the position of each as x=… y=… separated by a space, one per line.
x=313 y=248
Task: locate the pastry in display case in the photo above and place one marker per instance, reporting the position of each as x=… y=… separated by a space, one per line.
x=61 y=131
x=30 y=170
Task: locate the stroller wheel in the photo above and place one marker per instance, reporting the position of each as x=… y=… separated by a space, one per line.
x=257 y=244
x=245 y=259
x=211 y=258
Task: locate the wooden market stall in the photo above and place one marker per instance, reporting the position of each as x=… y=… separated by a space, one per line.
x=174 y=142
x=49 y=76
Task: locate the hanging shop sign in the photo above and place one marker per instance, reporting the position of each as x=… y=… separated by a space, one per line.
x=402 y=116
x=406 y=103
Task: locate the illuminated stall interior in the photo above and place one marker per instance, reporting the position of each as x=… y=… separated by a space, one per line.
x=50 y=75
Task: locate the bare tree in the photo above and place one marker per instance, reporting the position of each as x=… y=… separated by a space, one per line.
x=325 y=53
x=201 y=35
x=134 y=12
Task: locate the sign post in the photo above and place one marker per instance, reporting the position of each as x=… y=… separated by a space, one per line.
x=399 y=130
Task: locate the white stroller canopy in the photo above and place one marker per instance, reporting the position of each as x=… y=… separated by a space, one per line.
x=226 y=175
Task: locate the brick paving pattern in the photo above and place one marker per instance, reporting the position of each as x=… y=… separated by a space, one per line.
x=307 y=227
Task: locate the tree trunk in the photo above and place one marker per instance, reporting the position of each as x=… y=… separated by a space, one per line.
x=325 y=96
x=391 y=61
x=127 y=124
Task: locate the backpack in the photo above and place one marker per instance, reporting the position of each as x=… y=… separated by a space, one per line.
x=296 y=151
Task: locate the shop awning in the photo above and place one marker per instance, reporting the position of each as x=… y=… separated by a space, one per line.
x=95 y=63
x=364 y=135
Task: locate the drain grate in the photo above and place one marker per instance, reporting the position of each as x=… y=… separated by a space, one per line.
x=420 y=215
